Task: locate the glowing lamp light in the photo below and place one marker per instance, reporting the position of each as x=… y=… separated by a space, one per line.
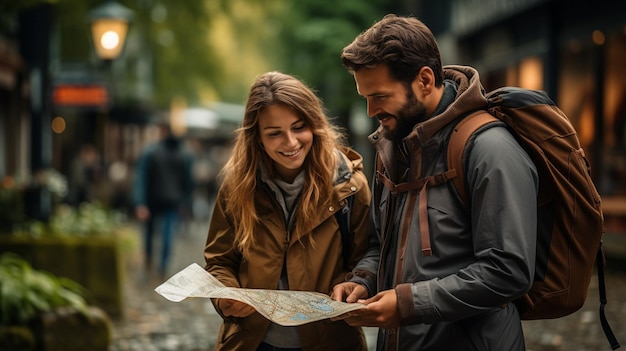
x=109 y=25
x=110 y=40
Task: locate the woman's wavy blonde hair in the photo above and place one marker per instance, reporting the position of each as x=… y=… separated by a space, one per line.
x=239 y=175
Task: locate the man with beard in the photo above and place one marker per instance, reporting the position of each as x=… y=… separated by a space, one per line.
x=438 y=275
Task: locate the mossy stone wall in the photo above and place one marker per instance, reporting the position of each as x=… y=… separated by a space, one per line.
x=93 y=262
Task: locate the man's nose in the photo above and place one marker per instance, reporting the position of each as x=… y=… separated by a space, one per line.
x=372 y=109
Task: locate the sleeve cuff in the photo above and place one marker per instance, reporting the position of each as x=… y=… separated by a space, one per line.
x=406 y=310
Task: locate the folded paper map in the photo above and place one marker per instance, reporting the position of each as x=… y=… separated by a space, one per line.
x=284 y=307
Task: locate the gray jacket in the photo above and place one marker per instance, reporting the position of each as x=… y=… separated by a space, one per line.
x=459 y=298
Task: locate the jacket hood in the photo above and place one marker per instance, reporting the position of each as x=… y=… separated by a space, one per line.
x=349 y=161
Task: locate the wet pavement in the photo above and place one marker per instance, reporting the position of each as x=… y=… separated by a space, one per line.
x=152 y=323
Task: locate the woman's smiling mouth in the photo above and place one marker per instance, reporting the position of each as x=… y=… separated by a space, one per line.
x=290 y=153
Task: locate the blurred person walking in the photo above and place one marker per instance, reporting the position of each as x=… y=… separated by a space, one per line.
x=86 y=170
x=162 y=190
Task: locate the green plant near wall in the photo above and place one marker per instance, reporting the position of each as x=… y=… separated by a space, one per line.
x=25 y=292
x=88 y=220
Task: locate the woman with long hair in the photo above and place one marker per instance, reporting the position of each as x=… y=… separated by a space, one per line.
x=274 y=223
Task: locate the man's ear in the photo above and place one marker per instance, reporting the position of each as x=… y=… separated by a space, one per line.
x=425 y=80
x=424 y=83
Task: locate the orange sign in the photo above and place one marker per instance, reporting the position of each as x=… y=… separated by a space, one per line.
x=80 y=95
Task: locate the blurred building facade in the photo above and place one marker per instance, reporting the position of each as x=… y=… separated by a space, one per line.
x=50 y=106
x=57 y=97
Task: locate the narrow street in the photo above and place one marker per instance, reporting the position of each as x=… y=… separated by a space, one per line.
x=152 y=323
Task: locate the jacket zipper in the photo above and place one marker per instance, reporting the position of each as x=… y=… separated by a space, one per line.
x=287 y=240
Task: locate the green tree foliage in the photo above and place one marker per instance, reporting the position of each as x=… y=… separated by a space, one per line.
x=303 y=38
x=246 y=36
x=183 y=60
x=167 y=47
x=315 y=33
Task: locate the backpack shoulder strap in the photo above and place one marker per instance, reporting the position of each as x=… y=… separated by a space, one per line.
x=456 y=147
x=343 y=219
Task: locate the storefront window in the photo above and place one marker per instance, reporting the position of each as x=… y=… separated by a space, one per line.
x=592 y=73
x=615 y=114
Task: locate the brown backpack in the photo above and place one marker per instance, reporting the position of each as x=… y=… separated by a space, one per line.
x=570 y=221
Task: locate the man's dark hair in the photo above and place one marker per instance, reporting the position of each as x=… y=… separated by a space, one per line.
x=404 y=44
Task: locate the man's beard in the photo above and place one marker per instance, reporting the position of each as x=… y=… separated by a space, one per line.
x=412 y=112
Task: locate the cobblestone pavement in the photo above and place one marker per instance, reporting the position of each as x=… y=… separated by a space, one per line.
x=152 y=323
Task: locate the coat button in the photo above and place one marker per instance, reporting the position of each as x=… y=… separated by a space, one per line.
x=353 y=188
x=331 y=209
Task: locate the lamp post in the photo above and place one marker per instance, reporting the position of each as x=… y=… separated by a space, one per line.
x=37 y=23
x=109 y=25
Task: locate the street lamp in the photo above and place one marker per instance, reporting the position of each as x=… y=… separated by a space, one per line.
x=109 y=25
